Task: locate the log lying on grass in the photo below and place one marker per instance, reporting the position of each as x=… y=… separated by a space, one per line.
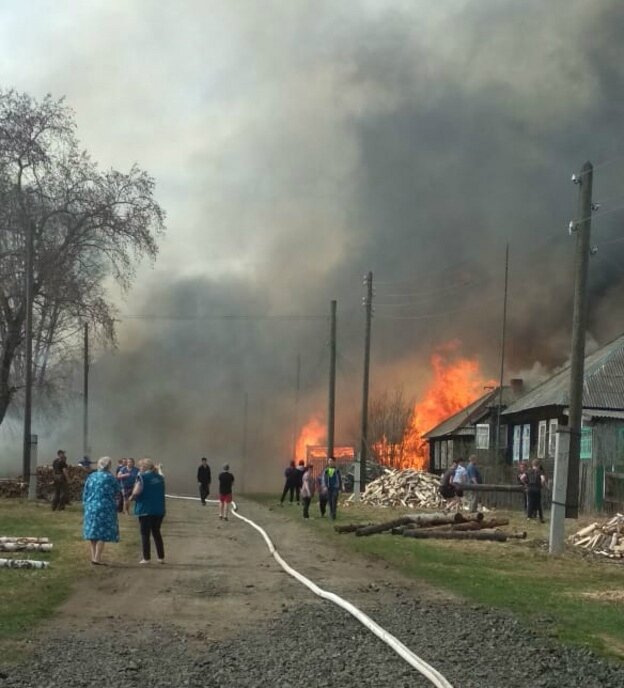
x=489 y=535
x=19 y=538
x=350 y=527
x=481 y=525
x=419 y=521
x=23 y=564
x=25 y=547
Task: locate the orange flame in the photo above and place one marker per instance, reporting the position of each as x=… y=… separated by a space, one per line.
x=312 y=433
x=456 y=383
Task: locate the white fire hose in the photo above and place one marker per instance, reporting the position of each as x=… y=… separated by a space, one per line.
x=434 y=676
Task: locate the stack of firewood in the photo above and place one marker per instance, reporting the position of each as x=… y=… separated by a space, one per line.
x=441 y=526
x=45 y=484
x=10 y=489
x=408 y=488
x=606 y=538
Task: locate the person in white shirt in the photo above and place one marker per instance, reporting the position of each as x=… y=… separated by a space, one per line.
x=460 y=478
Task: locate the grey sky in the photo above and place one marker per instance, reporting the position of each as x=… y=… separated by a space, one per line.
x=298 y=144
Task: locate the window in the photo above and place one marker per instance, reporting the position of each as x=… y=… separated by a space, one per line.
x=436 y=456
x=553 y=424
x=450 y=451
x=443 y=455
x=503 y=437
x=526 y=442
x=541 y=439
x=483 y=436
x=586 y=443
x=517 y=441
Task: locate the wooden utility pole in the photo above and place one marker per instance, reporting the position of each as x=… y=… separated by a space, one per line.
x=28 y=376
x=579 y=322
x=368 y=306
x=502 y=365
x=332 y=381
x=296 y=419
x=85 y=395
x=244 y=447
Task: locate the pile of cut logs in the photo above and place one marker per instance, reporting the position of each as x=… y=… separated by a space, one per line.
x=441 y=526
x=409 y=487
x=606 y=538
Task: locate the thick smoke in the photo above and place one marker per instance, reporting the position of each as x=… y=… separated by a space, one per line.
x=298 y=145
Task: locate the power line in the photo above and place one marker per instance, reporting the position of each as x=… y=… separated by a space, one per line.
x=425 y=316
x=154 y=316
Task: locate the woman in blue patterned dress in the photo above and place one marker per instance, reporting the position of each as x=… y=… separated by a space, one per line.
x=100 y=509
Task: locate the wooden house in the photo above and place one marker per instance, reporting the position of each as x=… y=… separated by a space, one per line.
x=533 y=420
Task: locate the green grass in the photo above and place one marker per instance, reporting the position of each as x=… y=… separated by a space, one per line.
x=519 y=575
x=30 y=596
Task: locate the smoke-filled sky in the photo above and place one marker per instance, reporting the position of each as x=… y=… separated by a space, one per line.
x=298 y=144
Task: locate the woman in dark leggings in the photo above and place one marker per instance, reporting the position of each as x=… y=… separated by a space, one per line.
x=149 y=505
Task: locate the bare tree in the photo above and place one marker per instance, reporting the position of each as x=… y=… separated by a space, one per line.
x=390 y=416
x=88 y=226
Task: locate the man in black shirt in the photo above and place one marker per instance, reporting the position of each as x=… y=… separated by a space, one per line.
x=59 y=476
x=204 y=479
x=226 y=480
x=535 y=480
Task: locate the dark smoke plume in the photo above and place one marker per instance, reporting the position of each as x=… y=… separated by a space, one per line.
x=326 y=139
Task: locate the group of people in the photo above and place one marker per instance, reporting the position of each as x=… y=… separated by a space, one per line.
x=226 y=483
x=101 y=496
x=301 y=485
x=454 y=480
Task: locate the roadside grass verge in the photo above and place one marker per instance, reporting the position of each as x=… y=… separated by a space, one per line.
x=558 y=596
x=30 y=596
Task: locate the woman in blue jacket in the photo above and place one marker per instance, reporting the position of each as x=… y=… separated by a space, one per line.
x=149 y=505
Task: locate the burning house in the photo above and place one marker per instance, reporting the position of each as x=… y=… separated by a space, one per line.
x=473 y=430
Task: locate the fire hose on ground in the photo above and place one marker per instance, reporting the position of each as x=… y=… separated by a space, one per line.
x=431 y=674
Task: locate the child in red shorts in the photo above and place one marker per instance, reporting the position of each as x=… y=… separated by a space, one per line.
x=226 y=480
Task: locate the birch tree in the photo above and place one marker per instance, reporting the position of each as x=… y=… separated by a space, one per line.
x=89 y=225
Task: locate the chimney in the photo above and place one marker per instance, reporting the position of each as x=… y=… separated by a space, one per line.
x=517 y=386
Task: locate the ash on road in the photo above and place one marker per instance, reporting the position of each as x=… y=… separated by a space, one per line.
x=222 y=613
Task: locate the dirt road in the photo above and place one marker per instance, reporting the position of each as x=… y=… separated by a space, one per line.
x=220 y=575
x=221 y=612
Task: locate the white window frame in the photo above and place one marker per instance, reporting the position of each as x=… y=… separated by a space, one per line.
x=526 y=441
x=553 y=426
x=482 y=436
x=542 y=428
x=517 y=441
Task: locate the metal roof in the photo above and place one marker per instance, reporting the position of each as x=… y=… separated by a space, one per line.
x=603 y=386
x=599 y=413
